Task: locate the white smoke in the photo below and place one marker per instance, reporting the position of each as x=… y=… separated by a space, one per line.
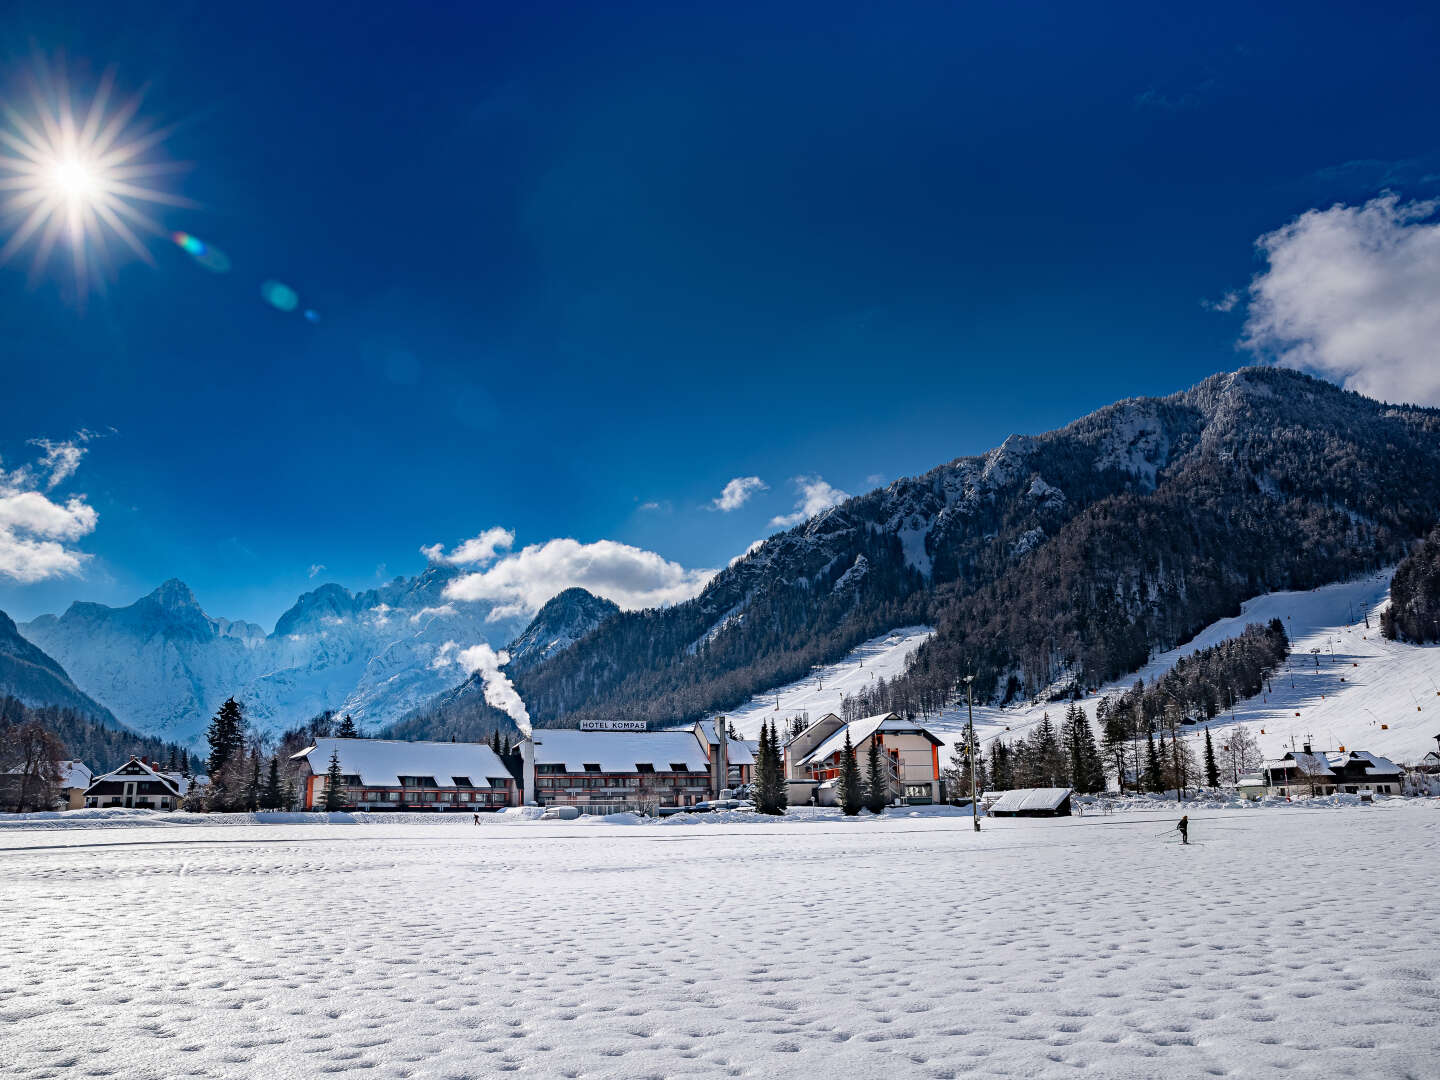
x=499 y=690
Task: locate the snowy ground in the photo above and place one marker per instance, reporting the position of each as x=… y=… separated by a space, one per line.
x=1289 y=942
x=1361 y=681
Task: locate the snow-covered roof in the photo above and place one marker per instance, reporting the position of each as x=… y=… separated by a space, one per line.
x=620 y=751
x=1039 y=798
x=381 y=762
x=74 y=774
x=860 y=730
x=1328 y=762
x=739 y=752
x=1374 y=764
x=175 y=781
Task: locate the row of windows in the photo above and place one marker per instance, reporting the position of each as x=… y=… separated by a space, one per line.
x=429 y=796
x=549 y=782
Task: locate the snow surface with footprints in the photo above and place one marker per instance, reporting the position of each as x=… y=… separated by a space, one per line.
x=1356 y=689
x=1292 y=942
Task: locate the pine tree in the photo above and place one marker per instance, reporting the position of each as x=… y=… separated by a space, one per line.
x=347 y=729
x=776 y=797
x=226 y=763
x=877 y=785
x=1049 y=766
x=495 y=740
x=1154 y=775
x=252 y=786
x=1087 y=771
x=289 y=796
x=505 y=747
x=1212 y=767
x=271 y=796
x=851 y=796
x=334 y=785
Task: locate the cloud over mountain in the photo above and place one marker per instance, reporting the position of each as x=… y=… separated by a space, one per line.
x=519 y=583
x=1351 y=293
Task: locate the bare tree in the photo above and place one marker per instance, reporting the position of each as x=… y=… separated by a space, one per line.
x=1240 y=753
x=30 y=758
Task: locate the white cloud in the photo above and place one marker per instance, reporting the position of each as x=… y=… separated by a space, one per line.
x=37 y=533
x=61 y=459
x=519 y=583
x=499 y=690
x=1227 y=302
x=316 y=568
x=1351 y=293
x=477 y=550
x=737 y=493
x=441 y=610
x=815 y=495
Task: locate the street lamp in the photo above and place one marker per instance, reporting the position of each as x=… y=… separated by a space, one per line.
x=970 y=710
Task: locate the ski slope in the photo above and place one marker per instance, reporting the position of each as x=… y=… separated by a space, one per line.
x=1360 y=683
x=821 y=693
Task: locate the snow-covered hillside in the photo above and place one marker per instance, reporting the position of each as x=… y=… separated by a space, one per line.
x=880 y=657
x=1343 y=692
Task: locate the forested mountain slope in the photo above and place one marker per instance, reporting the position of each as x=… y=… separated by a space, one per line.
x=1054 y=560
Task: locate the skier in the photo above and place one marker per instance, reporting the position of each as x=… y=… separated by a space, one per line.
x=1184 y=826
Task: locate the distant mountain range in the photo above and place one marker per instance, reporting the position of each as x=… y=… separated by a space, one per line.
x=1051 y=563
x=162 y=665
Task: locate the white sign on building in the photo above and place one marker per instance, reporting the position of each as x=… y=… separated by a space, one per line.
x=613 y=725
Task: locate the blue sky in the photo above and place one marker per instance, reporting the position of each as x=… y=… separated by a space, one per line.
x=578 y=266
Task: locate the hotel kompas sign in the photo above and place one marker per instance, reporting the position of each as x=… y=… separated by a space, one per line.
x=613 y=725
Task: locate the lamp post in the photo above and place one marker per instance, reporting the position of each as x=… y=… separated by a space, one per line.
x=970 y=710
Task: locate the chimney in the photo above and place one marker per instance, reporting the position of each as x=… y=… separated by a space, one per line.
x=527 y=769
x=1307 y=747
x=722 y=755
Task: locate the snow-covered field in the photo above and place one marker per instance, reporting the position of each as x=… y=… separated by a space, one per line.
x=1290 y=941
x=1360 y=683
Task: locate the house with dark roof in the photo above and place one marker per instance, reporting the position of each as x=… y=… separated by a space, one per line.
x=1332 y=772
x=139 y=784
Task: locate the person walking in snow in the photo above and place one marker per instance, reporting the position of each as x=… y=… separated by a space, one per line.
x=1184 y=826
x=477 y=819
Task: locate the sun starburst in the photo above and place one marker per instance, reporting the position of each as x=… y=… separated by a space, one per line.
x=80 y=179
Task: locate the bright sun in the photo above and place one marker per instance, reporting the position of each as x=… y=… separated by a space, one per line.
x=75 y=179
x=77 y=173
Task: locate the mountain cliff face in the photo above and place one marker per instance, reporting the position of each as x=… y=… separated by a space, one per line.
x=30 y=676
x=163 y=665
x=1052 y=560
x=565 y=619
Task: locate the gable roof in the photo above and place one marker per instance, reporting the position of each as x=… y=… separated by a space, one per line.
x=381 y=762
x=1039 y=798
x=177 y=784
x=620 y=751
x=860 y=730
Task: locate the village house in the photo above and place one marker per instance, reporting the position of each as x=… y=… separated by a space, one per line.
x=138 y=784
x=388 y=774
x=1332 y=772
x=909 y=754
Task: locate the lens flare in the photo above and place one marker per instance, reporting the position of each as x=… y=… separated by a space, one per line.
x=206 y=255
x=79 y=174
x=280 y=296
